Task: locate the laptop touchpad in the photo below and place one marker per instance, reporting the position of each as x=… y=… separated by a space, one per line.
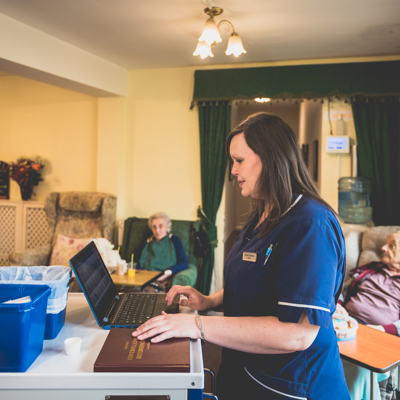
x=163 y=306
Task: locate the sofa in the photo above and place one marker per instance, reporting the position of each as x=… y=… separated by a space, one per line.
x=136 y=231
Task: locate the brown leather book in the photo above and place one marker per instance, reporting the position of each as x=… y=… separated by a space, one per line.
x=123 y=353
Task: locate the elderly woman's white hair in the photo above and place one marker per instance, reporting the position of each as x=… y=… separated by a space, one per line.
x=163 y=215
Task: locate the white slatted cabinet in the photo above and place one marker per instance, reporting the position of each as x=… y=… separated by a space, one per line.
x=23 y=226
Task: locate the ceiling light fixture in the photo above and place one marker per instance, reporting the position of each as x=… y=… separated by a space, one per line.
x=211 y=36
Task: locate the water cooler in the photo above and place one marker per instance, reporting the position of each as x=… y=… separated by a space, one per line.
x=354 y=200
x=354 y=196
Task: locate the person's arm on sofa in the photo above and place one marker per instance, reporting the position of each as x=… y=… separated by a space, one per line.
x=182 y=262
x=27 y=258
x=181 y=257
x=393 y=329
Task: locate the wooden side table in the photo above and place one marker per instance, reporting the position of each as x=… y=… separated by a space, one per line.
x=372 y=349
x=141 y=278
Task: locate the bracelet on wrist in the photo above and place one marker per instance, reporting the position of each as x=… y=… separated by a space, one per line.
x=200 y=329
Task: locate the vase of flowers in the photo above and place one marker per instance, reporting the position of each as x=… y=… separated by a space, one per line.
x=26 y=172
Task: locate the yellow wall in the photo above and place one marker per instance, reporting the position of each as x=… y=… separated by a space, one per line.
x=162 y=152
x=144 y=148
x=110 y=149
x=56 y=124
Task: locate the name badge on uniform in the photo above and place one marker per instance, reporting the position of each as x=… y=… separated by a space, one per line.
x=249 y=256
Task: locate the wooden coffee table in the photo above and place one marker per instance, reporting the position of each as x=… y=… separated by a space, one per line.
x=140 y=279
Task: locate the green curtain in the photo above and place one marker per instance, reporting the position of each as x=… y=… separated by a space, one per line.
x=215 y=125
x=298 y=81
x=377 y=124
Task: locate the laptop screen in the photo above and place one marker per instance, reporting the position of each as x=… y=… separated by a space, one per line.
x=94 y=279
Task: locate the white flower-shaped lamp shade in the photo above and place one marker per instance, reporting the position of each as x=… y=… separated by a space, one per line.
x=203 y=50
x=235 y=45
x=210 y=33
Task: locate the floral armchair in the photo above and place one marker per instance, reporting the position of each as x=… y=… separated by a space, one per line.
x=77 y=215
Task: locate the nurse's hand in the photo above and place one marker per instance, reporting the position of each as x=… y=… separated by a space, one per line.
x=168 y=326
x=341 y=310
x=195 y=300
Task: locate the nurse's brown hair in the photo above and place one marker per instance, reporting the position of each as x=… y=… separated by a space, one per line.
x=283 y=169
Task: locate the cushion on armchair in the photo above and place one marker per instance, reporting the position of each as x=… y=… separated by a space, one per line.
x=136 y=231
x=353 y=245
x=65 y=248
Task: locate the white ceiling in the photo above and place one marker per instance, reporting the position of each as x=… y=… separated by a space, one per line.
x=137 y=34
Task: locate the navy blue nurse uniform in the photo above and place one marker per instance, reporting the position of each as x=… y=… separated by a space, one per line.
x=302 y=274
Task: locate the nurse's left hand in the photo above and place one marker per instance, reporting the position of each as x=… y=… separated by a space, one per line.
x=168 y=326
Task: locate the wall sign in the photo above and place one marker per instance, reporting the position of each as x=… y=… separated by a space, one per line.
x=337 y=144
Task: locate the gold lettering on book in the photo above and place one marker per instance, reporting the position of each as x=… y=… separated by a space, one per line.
x=148 y=345
x=126 y=345
x=139 y=354
x=132 y=349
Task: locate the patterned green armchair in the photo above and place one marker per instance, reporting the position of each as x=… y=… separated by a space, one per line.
x=74 y=215
x=136 y=231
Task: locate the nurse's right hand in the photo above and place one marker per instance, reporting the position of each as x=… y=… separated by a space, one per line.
x=195 y=300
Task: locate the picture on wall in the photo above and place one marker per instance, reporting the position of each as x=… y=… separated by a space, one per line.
x=304 y=150
x=315 y=160
x=4 y=180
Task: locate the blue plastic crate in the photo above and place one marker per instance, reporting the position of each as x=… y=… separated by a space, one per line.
x=57 y=278
x=54 y=324
x=22 y=326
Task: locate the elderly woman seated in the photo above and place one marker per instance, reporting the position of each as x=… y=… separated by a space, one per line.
x=373 y=298
x=163 y=251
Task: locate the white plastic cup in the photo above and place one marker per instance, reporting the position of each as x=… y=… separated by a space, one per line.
x=72 y=346
x=120 y=269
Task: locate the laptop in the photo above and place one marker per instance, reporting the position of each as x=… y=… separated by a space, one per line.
x=111 y=309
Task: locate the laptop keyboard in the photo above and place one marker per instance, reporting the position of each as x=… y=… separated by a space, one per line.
x=136 y=309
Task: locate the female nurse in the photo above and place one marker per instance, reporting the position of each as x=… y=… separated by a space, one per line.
x=282 y=279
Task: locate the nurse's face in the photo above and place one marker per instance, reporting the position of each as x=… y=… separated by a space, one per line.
x=246 y=165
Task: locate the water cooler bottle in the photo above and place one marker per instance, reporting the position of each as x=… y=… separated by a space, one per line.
x=354 y=200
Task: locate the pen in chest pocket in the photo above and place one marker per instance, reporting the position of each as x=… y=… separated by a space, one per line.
x=268 y=253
